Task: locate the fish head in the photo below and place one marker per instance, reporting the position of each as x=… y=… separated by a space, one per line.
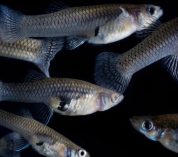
x=161 y=128
x=147 y=126
x=147 y=16
x=109 y=99
x=50 y=147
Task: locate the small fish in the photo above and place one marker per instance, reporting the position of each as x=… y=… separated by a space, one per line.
x=13 y=143
x=162 y=128
x=98 y=24
x=65 y=96
x=39 y=52
x=43 y=139
x=114 y=71
x=8 y=145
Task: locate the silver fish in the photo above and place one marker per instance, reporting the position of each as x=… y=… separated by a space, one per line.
x=43 y=139
x=65 y=96
x=39 y=52
x=98 y=24
x=115 y=71
x=162 y=128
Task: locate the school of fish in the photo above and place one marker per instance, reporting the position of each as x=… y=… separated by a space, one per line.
x=38 y=38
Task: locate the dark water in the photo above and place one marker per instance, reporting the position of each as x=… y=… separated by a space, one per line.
x=105 y=134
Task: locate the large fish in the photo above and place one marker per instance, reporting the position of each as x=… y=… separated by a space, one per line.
x=97 y=24
x=43 y=139
x=162 y=128
x=115 y=71
x=65 y=96
x=39 y=52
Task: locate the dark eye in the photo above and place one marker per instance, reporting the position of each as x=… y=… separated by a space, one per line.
x=147 y=125
x=151 y=10
x=39 y=143
x=63 y=106
x=82 y=153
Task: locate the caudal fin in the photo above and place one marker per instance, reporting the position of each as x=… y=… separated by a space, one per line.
x=50 y=48
x=107 y=74
x=171 y=65
x=9 y=24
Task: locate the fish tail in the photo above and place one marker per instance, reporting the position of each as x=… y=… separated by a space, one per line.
x=9 y=24
x=50 y=48
x=107 y=72
x=171 y=65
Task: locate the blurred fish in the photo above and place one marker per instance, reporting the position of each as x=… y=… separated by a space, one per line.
x=43 y=139
x=162 y=128
x=98 y=24
x=65 y=96
x=115 y=71
x=8 y=145
x=39 y=52
x=13 y=143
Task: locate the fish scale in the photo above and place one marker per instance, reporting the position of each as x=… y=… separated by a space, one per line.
x=29 y=127
x=52 y=91
x=115 y=71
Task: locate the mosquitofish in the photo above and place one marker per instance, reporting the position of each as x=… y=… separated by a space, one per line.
x=12 y=144
x=65 y=96
x=43 y=139
x=161 y=128
x=39 y=52
x=115 y=71
x=97 y=24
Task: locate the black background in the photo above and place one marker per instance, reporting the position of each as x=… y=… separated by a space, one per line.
x=105 y=134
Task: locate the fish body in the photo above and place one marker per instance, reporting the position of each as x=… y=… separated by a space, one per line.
x=98 y=24
x=39 y=52
x=65 y=96
x=43 y=139
x=115 y=71
x=161 y=128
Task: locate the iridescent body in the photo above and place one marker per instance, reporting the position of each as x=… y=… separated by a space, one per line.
x=115 y=71
x=97 y=24
x=43 y=139
x=65 y=96
x=162 y=128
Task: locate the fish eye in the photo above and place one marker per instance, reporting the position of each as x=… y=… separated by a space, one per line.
x=63 y=106
x=82 y=153
x=151 y=10
x=147 y=125
x=39 y=143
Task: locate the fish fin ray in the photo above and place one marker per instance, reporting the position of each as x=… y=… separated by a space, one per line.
x=9 y=24
x=51 y=46
x=55 y=6
x=107 y=73
x=171 y=65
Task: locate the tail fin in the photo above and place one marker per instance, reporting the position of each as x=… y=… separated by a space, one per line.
x=171 y=65
x=107 y=74
x=9 y=153
x=50 y=48
x=9 y=24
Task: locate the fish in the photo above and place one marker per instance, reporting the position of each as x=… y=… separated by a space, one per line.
x=43 y=139
x=39 y=52
x=64 y=95
x=8 y=145
x=115 y=71
x=12 y=144
x=95 y=24
x=160 y=128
